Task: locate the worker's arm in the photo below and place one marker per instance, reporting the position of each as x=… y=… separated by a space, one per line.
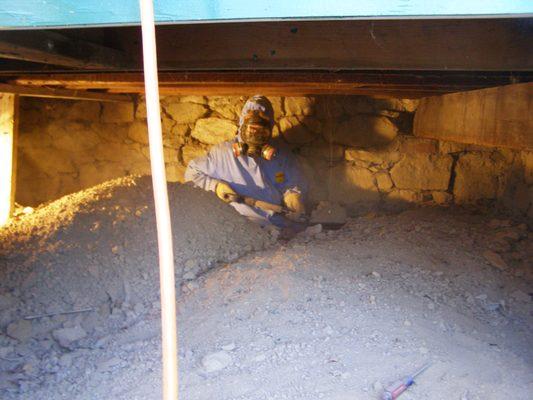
x=202 y=171
x=294 y=187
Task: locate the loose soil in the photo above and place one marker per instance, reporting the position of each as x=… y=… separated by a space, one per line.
x=333 y=314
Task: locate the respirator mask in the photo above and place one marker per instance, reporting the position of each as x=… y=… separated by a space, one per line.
x=255 y=135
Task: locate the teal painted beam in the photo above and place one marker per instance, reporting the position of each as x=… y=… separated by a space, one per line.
x=16 y=14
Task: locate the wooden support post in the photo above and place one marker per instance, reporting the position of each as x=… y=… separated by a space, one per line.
x=8 y=154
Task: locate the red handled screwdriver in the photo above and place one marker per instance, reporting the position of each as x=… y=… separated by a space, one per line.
x=396 y=390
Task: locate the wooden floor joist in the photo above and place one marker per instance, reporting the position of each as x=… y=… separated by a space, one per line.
x=54 y=48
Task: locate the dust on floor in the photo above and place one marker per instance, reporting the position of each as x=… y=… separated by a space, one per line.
x=335 y=315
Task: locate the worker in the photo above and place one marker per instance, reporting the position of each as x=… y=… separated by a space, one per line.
x=254 y=165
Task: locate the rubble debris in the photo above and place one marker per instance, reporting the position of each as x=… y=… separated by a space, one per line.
x=328 y=213
x=216 y=361
x=495 y=259
x=67 y=336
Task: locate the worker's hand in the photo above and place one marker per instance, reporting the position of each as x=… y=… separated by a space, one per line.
x=293 y=201
x=225 y=192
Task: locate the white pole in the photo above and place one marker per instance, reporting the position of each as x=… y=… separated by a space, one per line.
x=164 y=232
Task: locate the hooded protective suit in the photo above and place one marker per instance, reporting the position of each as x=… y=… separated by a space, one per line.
x=256 y=177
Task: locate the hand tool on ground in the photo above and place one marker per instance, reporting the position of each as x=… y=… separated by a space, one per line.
x=396 y=390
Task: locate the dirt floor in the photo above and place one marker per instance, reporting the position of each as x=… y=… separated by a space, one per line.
x=333 y=315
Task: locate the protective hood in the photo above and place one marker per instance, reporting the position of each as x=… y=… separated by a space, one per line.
x=256 y=103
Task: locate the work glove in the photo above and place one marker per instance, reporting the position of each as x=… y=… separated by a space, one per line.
x=225 y=193
x=294 y=202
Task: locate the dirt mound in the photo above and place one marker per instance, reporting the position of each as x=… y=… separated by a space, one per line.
x=336 y=315
x=97 y=250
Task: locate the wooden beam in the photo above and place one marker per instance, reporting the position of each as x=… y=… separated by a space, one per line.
x=430 y=44
x=49 y=47
x=58 y=93
x=396 y=84
x=447 y=44
x=499 y=116
x=8 y=154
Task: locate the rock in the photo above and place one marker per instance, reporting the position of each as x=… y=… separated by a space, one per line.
x=229 y=107
x=521 y=296
x=77 y=110
x=189 y=275
x=192 y=151
x=352 y=184
x=323 y=151
x=403 y=196
x=191 y=264
x=138 y=132
x=354 y=105
x=296 y=130
x=5 y=351
x=20 y=330
x=65 y=360
x=442 y=198
x=214 y=130
x=495 y=259
x=140 y=107
x=193 y=99
x=478 y=176
x=376 y=274
x=109 y=364
x=413 y=144
x=228 y=347
x=175 y=172
x=373 y=156
x=299 y=106
x=277 y=105
x=312 y=230
x=186 y=113
x=216 y=361
x=328 y=213
x=377 y=386
x=66 y=337
x=363 y=131
x=117 y=112
x=7 y=300
x=384 y=181
x=422 y=171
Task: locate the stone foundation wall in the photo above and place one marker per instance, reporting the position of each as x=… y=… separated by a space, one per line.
x=356 y=150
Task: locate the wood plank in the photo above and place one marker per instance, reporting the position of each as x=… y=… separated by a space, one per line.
x=492 y=44
x=54 y=48
x=8 y=154
x=446 y=44
x=501 y=116
x=36 y=91
x=400 y=83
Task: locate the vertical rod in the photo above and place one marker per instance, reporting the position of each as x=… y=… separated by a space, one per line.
x=164 y=233
x=8 y=154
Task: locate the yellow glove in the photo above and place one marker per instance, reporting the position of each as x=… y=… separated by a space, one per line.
x=293 y=201
x=224 y=192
